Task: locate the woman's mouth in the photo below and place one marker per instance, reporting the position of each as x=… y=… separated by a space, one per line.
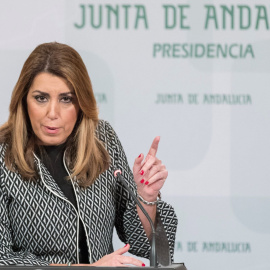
x=51 y=130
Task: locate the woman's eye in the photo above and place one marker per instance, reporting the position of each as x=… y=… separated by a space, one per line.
x=66 y=99
x=40 y=99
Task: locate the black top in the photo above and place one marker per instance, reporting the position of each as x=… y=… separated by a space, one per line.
x=54 y=163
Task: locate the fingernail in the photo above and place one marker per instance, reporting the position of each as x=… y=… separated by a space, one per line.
x=141 y=172
x=139 y=155
x=125 y=245
x=146 y=182
x=142 y=181
x=143 y=264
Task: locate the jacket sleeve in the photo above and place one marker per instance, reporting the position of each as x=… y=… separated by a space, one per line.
x=128 y=224
x=7 y=255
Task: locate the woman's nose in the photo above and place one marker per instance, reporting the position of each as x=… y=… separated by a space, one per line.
x=53 y=110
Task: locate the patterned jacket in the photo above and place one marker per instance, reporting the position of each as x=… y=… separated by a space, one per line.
x=39 y=226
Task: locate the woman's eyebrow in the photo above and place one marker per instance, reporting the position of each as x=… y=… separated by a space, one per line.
x=40 y=92
x=67 y=93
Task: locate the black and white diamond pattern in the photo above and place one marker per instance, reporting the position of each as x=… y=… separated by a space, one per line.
x=38 y=226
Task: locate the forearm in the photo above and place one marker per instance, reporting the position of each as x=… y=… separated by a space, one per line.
x=151 y=210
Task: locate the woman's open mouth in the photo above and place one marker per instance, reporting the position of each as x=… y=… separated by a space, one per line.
x=51 y=130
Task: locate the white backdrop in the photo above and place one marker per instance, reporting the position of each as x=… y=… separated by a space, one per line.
x=194 y=72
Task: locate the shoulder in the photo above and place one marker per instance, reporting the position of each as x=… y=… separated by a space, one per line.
x=3 y=148
x=103 y=126
x=105 y=131
x=107 y=136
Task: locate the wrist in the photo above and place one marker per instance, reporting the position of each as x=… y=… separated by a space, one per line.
x=152 y=201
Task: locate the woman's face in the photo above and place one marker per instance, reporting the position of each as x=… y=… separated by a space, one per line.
x=52 y=108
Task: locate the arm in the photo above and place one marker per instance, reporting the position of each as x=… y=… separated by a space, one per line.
x=149 y=175
x=131 y=225
x=151 y=210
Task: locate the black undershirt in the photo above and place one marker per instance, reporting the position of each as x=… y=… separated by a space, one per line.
x=54 y=163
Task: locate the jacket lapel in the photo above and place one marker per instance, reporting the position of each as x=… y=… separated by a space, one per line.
x=48 y=180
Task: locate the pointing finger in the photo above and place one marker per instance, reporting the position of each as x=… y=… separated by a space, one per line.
x=154 y=146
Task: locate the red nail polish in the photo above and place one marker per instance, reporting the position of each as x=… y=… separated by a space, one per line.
x=125 y=245
x=139 y=155
x=146 y=182
x=141 y=172
x=142 y=181
x=143 y=264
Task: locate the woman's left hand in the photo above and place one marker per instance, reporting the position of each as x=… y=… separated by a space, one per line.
x=149 y=173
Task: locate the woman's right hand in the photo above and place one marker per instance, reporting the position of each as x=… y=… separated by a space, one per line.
x=114 y=259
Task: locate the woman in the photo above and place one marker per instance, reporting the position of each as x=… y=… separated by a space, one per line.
x=59 y=200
